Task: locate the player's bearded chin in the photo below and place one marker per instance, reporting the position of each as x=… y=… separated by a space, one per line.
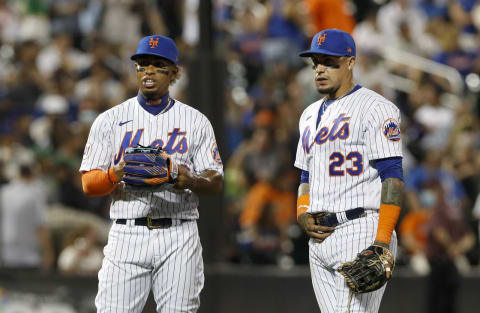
x=327 y=91
x=151 y=95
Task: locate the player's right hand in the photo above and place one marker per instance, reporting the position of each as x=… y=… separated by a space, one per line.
x=316 y=232
x=118 y=170
x=185 y=179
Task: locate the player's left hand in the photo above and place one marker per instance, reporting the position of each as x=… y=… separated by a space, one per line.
x=317 y=232
x=389 y=265
x=370 y=270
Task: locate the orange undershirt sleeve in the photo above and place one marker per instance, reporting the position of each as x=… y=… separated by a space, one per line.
x=303 y=203
x=386 y=224
x=98 y=182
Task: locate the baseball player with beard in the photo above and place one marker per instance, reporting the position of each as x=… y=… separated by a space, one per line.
x=351 y=186
x=153 y=244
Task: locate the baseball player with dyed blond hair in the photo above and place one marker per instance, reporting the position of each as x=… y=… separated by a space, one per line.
x=153 y=154
x=351 y=186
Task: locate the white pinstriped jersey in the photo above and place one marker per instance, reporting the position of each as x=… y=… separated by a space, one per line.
x=182 y=131
x=354 y=129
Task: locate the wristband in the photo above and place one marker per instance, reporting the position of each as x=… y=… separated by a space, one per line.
x=303 y=204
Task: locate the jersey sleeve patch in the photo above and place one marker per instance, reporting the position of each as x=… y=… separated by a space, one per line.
x=216 y=154
x=391 y=129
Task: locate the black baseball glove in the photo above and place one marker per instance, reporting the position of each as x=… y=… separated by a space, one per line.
x=148 y=168
x=368 y=272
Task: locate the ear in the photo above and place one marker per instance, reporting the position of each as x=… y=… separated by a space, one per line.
x=173 y=73
x=136 y=66
x=351 y=63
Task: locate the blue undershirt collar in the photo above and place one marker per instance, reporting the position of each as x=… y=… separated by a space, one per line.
x=326 y=103
x=163 y=106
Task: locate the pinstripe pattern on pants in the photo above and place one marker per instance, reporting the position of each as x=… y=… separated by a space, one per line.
x=343 y=245
x=169 y=261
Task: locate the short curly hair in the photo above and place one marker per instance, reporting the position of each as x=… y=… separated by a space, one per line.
x=178 y=73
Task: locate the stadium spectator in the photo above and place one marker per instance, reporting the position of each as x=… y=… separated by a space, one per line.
x=432 y=167
x=325 y=14
x=61 y=53
x=26 y=242
x=413 y=237
x=405 y=26
x=65 y=16
x=266 y=217
x=448 y=240
x=81 y=254
x=436 y=118
x=284 y=32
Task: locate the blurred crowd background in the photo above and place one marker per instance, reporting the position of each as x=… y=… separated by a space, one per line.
x=63 y=62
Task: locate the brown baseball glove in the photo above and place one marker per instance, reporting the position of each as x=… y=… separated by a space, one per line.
x=370 y=270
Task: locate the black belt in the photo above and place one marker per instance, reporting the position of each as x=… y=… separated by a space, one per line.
x=149 y=222
x=331 y=220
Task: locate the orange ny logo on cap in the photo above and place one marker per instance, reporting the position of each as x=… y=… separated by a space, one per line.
x=321 y=39
x=153 y=43
x=349 y=49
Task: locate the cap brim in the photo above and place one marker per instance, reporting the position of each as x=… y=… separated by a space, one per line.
x=309 y=53
x=154 y=54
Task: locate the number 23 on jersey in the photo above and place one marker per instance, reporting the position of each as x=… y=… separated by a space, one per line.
x=340 y=164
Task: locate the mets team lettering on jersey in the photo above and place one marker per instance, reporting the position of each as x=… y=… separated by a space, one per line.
x=182 y=131
x=355 y=129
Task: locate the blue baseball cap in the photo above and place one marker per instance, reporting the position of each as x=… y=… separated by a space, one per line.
x=157 y=45
x=332 y=42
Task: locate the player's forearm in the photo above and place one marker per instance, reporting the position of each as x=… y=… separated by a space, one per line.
x=392 y=192
x=303 y=189
x=303 y=199
x=390 y=207
x=98 y=182
x=208 y=182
